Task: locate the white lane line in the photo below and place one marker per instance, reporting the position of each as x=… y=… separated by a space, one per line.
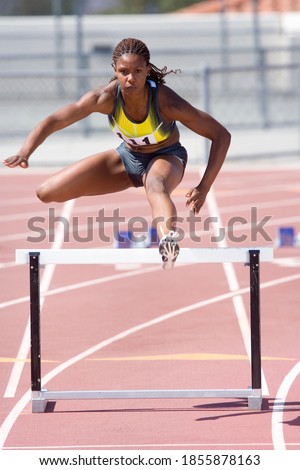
x=8 y=264
x=288 y=262
x=233 y=283
x=157 y=446
x=227 y=209
x=278 y=408
x=80 y=210
x=22 y=354
x=11 y=303
x=17 y=409
x=80 y=285
x=20 y=201
x=20 y=405
x=94 y=282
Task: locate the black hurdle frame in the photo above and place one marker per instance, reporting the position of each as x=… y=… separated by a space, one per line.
x=35 y=321
x=35 y=326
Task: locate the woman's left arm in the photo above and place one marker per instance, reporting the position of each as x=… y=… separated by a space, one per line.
x=176 y=108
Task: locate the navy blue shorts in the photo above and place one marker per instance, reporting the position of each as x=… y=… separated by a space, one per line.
x=136 y=163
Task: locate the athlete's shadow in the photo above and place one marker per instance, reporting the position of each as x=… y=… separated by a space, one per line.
x=232 y=409
x=267 y=407
x=293 y=422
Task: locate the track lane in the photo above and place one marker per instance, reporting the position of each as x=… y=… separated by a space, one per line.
x=271 y=320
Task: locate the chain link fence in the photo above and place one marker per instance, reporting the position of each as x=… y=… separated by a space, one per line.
x=245 y=82
x=240 y=97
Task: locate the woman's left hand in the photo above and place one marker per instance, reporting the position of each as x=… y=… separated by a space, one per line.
x=196 y=198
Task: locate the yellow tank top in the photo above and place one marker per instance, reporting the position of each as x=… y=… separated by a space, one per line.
x=151 y=131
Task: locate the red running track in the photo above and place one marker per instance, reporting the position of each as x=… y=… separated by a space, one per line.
x=112 y=308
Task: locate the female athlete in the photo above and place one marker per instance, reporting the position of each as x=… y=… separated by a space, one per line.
x=142 y=111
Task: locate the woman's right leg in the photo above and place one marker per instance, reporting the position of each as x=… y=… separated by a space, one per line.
x=102 y=173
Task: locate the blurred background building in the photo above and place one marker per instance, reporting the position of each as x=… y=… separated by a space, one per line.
x=239 y=61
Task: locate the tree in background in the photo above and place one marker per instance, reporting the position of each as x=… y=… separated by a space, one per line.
x=67 y=7
x=35 y=7
x=150 y=6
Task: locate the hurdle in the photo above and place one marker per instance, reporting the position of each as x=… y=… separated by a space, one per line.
x=40 y=257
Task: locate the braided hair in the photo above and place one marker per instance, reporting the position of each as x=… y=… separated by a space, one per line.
x=136 y=46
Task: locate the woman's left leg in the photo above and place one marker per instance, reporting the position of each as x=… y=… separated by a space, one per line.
x=161 y=178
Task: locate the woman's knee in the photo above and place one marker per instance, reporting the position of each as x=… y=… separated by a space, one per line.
x=45 y=194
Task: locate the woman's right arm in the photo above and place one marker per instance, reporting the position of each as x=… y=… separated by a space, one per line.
x=93 y=101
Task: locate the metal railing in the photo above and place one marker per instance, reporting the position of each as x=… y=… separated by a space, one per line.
x=240 y=97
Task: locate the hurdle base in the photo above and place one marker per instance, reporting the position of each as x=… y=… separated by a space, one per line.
x=38 y=402
x=255 y=400
x=40 y=399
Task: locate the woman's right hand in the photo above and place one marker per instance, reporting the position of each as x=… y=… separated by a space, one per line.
x=16 y=160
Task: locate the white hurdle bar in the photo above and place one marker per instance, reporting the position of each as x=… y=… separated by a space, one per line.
x=142 y=256
x=36 y=258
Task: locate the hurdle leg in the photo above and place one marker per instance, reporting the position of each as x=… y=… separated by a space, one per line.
x=38 y=403
x=255 y=401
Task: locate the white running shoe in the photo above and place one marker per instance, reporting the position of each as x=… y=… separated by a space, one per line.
x=169 y=250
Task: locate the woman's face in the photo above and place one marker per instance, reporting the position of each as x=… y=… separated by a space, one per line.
x=131 y=71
